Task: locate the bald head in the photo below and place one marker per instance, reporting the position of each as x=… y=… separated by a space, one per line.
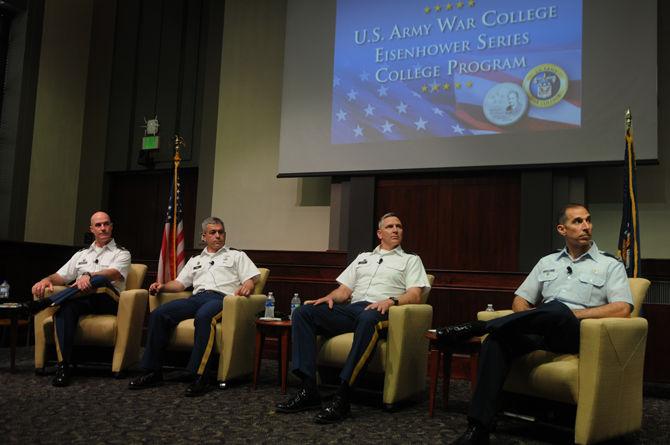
x=101 y=228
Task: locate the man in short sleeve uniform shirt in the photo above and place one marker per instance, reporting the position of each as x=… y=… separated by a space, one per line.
x=99 y=273
x=575 y=283
x=218 y=271
x=375 y=281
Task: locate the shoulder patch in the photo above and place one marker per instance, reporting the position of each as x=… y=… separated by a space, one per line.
x=82 y=249
x=120 y=247
x=233 y=248
x=410 y=253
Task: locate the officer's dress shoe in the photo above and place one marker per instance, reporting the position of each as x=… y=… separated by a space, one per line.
x=62 y=377
x=474 y=435
x=147 y=380
x=199 y=387
x=303 y=400
x=335 y=411
x=460 y=332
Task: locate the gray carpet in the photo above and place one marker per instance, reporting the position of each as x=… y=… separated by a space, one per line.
x=96 y=408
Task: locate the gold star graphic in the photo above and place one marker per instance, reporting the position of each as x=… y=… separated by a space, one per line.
x=468 y=84
x=446 y=86
x=426 y=9
x=424 y=89
x=457 y=85
x=471 y=3
x=436 y=87
x=459 y=4
x=449 y=7
x=438 y=8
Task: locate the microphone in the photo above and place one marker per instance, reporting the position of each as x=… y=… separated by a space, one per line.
x=96 y=261
x=569 y=269
x=211 y=263
x=380 y=260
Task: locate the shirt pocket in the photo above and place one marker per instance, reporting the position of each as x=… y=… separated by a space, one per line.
x=591 y=287
x=547 y=278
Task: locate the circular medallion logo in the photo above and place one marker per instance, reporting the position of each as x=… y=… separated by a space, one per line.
x=504 y=104
x=546 y=85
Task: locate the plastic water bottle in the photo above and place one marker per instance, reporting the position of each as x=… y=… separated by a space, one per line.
x=270 y=306
x=295 y=302
x=489 y=308
x=4 y=290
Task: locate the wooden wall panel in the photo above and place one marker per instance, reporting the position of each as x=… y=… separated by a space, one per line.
x=138 y=226
x=457 y=221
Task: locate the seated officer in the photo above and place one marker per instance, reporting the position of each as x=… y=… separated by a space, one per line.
x=99 y=272
x=374 y=282
x=577 y=282
x=218 y=271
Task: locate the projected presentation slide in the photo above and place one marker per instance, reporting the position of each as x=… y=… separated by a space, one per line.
x=410 y=69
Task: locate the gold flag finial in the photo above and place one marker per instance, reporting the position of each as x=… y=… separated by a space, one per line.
x=629 y=119
x=178 y=144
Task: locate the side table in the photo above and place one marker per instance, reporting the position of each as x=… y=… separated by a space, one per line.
x=280 y=329
x=470 y=346
x=10 y=314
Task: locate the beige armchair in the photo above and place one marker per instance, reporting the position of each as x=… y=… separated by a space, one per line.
x=603 y=381
x=122 y=332
x=234 y=335
x=401 y=358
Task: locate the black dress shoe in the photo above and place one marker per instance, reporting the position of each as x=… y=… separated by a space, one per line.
x=200 y=386
x=335 y=411
x=62 y=377
x=32 y=307
x=147 y=380
x=303 y=400
x=460 y=332
x=474 y=435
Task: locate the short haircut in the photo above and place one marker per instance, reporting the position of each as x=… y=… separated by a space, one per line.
x=562 y=217
x=214 y=221
x=384 y=216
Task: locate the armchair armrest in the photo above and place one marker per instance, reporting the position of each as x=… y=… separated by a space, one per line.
x=129 y=321
x=407 y=351
x=611 y=364
x=166 y=297
x=239 y=331
x=486 y=316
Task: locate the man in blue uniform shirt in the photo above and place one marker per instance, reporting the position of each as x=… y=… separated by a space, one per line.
x=374 y=282
x=575 y=283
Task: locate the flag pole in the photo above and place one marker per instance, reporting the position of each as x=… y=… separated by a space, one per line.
x=632 y=189
x=178 y=143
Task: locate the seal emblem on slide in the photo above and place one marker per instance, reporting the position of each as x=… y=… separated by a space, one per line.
x=546 y=85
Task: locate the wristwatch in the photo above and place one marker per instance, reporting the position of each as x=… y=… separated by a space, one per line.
x=87 y=273
x=394 y=300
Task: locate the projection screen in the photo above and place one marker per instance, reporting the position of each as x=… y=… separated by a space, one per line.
x=378 y=86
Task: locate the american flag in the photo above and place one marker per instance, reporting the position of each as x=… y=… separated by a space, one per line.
x=171 y=259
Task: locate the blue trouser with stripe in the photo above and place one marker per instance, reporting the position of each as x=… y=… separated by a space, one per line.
x=71 y=308
x=206 y=310
x=552 y=327
x=308 y=321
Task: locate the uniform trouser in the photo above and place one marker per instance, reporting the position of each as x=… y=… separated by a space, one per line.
x=308 y=321
x=552 y=327
x=205 y=307
x=72 y=305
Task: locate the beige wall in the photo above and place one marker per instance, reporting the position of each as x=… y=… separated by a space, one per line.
x=260 y=211
x=61 y=88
